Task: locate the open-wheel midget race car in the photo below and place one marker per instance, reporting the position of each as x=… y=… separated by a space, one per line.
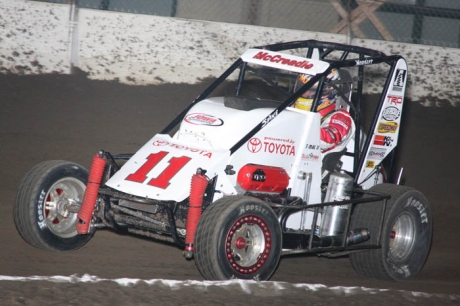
x=239 y=179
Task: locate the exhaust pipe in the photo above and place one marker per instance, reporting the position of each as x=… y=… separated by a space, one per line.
x=355 y=236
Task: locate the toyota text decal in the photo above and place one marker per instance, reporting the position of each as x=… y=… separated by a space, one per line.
x=274 y=147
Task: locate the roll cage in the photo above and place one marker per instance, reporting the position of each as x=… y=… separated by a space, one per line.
x=338 y=56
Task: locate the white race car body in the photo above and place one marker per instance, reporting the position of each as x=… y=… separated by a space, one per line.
x=163 y=167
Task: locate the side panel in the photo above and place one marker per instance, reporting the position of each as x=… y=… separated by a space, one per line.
x=385 y=135
x=290 y=142
x=211 y=124
x=162 y=169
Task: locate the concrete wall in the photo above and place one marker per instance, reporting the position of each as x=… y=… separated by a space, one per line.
x=34 y=37
x=141 y=49
x=434 y=72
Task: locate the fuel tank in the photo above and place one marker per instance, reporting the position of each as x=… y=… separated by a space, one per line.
x=260 y=178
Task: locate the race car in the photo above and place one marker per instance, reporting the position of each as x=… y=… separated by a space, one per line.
x=239 y=179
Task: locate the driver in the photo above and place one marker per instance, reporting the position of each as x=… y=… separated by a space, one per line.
x=336 y=124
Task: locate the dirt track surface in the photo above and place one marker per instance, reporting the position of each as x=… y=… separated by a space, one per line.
x=71 y=118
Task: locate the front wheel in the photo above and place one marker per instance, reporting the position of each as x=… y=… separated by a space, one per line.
x=405 y=237
x=238 y=237
x=41 y=210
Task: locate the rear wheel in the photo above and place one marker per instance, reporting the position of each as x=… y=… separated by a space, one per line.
x=41 y=209
x=406 y=234
x=238 y=237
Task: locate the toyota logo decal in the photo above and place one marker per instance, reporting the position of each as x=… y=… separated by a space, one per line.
x=254 y=145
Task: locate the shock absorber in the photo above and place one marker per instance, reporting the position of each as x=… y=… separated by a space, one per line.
x=92 y=189
x=198 y=186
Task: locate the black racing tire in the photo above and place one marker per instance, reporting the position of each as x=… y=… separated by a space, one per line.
x=406 y=234
x=238 y=237
x=41 y=193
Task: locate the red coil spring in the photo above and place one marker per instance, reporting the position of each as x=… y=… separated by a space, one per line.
x=89 y=199
x=199 y=183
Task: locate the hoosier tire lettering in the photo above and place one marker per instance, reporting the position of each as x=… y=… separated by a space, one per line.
x=257 y=208
x=238 y=237
x=406 y=234
x=38 y=208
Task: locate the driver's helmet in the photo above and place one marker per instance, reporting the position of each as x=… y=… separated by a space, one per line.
x=328 y=95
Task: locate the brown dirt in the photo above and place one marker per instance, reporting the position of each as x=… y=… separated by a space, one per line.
x=70 y=117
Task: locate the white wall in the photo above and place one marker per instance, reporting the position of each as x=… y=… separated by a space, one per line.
x=434 y=72
x=34 y=37
x=142 y=49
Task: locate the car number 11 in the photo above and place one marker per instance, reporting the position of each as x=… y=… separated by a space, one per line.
x=164 y=178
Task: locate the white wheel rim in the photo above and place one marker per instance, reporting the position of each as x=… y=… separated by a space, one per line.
x=402 y=237
x=66 y=188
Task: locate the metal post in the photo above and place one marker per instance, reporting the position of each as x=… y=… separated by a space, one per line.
x=253 y=6
x=417 y=25
x=73 y=35
x=349 y=21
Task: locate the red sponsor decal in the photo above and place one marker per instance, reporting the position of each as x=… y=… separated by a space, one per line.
x=160 y=143
x=275 y=139
x=282 y=60
x=395 y=100
x=203 y=119
x=381 y=140
x=255 y=145
x=310 y=157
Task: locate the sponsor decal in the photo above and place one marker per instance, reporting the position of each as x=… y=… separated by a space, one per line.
x=312 y=147
x=269 y=118
x=268 y=138
x=161 y=143
x=40 y=211
x=387 y=127
x=338 y=198
x=277 y=148
x=400 y=80
x=259 y=176
x=203 y=119
x=265 y=56
x=255 y=145
x=311 y=157
x=394 y=100
x=377 y=153
x=364 y=62
x=370 y=164
x=411 y=202
x=391 y=113
x=252 y=208
x=381 y=140
x=341 y=123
